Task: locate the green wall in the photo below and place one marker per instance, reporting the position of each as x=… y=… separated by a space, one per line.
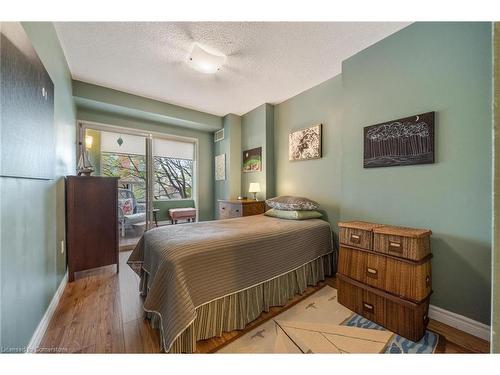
x=442 y=67
x=32 y=212
x=230 y=188
x=205 y=152
x=496 y=197
x=97 y=97
x=319 y=179
x=257 y=130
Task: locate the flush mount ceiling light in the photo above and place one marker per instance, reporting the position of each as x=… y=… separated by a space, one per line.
x=204 y=61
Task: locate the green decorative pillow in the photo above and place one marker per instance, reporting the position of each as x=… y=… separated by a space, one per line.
x=293 y=215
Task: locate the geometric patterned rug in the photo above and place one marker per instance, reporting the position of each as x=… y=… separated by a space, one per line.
x=319 y=324
x=399 y=344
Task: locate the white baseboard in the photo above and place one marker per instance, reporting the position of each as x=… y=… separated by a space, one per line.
x=460 y=322
x=36 y=339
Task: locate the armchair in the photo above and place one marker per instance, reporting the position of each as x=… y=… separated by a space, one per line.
x=129 y=211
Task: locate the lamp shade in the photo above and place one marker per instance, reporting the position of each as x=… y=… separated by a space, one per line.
x=89 y=140
x=254 y=187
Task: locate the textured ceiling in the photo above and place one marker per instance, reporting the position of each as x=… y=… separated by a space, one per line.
x=267 y=62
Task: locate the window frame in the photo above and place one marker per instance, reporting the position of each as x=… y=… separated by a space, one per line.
x=84 y=125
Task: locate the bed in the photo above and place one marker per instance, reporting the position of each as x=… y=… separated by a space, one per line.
x=205 y=278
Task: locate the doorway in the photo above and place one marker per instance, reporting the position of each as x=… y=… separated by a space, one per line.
x=156 y=172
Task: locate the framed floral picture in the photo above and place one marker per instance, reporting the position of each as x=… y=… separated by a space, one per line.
x=220 y=167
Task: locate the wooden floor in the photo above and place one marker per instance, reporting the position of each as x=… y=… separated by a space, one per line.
x=101 y=312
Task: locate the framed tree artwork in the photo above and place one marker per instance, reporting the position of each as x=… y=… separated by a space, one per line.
x=405 y=141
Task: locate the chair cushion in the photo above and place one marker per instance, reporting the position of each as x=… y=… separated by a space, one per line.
x=135 y=218
x=126 y=205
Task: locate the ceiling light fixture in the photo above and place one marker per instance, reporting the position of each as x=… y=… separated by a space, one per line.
x=204 y=61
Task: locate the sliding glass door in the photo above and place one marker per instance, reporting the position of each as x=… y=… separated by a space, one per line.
x=113 y=153
x=156 y=173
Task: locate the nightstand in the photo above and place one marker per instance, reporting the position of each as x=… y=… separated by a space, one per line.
x=229 y=209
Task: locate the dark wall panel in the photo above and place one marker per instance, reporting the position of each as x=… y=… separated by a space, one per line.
x=27 y=135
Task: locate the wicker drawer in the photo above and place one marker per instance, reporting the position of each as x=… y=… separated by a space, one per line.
x=407 y=321
x=411 y=280
x=357 y=233
x=361 y=301
x=405 y=318
x=407 y=243
x=363 y=266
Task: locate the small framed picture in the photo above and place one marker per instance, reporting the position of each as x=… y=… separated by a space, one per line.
x=252 y=160
x=220 y=167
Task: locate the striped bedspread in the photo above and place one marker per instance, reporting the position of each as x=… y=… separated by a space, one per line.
x=189 y=265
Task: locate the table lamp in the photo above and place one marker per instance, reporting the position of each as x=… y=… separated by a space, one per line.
x=254 y=188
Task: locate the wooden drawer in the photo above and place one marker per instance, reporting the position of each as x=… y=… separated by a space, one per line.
x=403 y=317
x=357 y=233
x=230 y=210
x=256 y=208
x=410 y=280
x=406 y=243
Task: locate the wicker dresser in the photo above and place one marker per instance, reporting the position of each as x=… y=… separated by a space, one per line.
x=384 y=274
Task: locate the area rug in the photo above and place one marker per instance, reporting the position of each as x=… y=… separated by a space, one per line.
x=319 y=324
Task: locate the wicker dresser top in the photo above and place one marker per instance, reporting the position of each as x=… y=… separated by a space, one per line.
x=402 y=231
x=363 y=225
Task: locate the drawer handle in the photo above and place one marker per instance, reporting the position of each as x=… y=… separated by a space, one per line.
x=372 y=272
x=427 y=280
x=368 y=307
x=237 y=210
x=355 y=238
x=223 y=208
x=395 y=247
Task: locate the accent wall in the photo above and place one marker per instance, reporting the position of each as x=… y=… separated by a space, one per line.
x=32 y=211
x=442 y=67
x=229 y=188
x=257 y=130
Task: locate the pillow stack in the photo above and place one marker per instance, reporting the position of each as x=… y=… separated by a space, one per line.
x=293 y=208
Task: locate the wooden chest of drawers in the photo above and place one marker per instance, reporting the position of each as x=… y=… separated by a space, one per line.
x=385 y=275
x=229 y=209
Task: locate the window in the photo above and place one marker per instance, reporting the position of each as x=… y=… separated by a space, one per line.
x=173 y=168
x=173 y=165
x=130 y=168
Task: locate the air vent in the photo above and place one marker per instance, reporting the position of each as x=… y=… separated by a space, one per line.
x=219 y=135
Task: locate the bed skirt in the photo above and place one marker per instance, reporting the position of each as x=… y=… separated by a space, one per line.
x=235 y=311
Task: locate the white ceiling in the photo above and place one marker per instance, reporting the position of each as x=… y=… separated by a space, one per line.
x=268 y=62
